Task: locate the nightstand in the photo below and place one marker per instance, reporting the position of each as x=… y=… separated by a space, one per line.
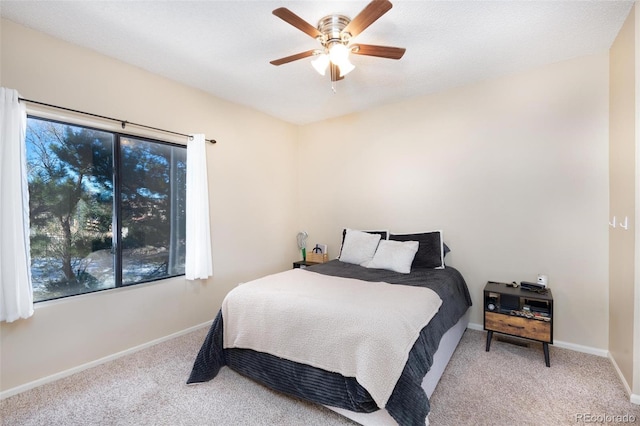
x=303 y=264
x=520 y=313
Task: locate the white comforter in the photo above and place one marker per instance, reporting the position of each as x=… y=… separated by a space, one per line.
x=356 y=328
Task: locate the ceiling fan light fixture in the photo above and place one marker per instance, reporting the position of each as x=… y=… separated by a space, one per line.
x=346 y=67
x=338 y=53
x=321 y=63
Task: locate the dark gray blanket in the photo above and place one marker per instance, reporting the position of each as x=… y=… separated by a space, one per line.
x=408 y=403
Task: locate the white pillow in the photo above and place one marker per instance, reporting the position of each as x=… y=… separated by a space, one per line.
x=358 y=247
x=395 y=256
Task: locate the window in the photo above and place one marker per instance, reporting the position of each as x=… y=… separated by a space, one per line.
x=107 y=210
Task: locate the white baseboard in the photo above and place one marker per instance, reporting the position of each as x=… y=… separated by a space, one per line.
x=474 y=326
x=559 y=343
x=52 y=378
x=621 y=377
x=580 y=348
x=633 y=398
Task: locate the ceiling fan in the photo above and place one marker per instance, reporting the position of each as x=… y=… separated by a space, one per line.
x=335 y=32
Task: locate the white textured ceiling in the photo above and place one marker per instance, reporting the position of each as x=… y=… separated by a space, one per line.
x=224 y=47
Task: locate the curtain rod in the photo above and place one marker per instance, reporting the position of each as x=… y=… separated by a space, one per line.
x=123 y=122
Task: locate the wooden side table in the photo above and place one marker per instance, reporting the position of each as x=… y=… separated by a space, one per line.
x=519 y=313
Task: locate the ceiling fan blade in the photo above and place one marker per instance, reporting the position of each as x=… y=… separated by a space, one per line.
x=367 y=16
x=295 y=57
x=293 y=19
x=335 y=72
x=379 y=51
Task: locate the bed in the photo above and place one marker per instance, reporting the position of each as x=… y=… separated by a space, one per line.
x=407 y=402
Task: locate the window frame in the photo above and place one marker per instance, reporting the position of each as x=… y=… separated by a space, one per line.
x=117 y=246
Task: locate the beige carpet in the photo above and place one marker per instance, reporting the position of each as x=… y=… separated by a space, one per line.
x=509 y=385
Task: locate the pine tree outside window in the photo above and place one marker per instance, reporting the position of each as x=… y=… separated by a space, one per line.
x=107 y=210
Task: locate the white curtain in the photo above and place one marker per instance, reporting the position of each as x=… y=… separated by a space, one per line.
x=16 y=294
x=198 y=263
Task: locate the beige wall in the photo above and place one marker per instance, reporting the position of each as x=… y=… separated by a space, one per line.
x=622 y=175
x=636 y=351
x=252 y=183
x=513 y=170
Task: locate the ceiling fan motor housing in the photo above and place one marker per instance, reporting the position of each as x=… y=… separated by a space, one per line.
x=331 y=27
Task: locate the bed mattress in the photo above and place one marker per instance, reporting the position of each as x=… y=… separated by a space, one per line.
x=408 y=404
